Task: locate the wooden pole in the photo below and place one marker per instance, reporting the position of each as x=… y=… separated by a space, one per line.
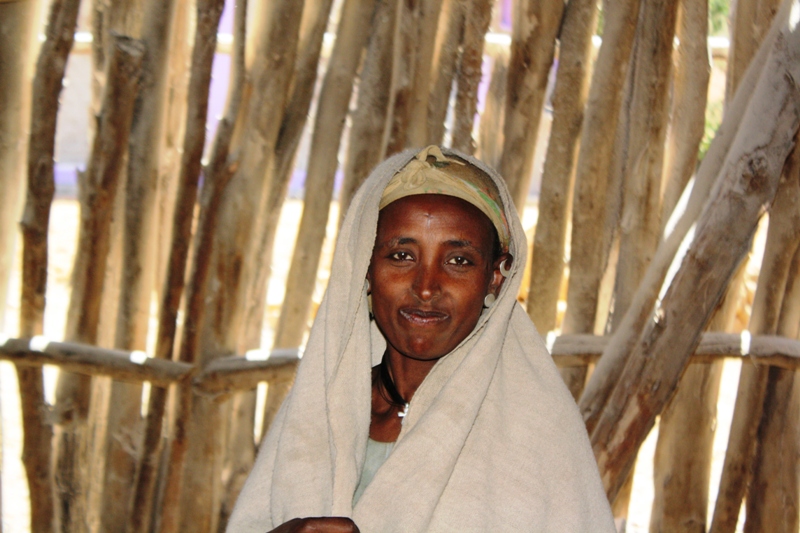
x=17 y=21
x=689 y=96
x=236 y=252
x=445 y=59
x=35 y=220
x=783 y=236
x=588 y=256
x=490 y=145
x=533 y=41
x=772 y=502
x=751 y=175
x=416 y=134
x=547 y=262
x=328 y=125
x=371 y=119
x=640 y=225
x=610 y=366
x=470 y=70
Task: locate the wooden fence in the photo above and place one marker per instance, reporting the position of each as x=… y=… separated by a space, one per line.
x=655 y=242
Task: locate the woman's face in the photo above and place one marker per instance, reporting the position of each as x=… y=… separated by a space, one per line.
x=432 y=266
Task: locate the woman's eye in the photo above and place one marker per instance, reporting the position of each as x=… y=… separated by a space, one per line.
x=459 y=260
x=401 y=256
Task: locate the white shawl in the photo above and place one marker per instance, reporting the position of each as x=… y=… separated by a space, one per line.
x=492 y=441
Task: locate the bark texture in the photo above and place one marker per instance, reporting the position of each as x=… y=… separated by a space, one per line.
x=751 y=175
x=35 y=221
x=616 y=353
x=328 y=126
x=533 y=41
x=547 y=261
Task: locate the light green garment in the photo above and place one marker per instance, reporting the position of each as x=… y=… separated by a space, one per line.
x=377 y=453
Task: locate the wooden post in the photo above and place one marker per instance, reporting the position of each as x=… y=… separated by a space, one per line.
x=751 y=174
x=533 y=41
x=370 y=129
x=404 y=68
x=689 y=96
x=17 y=22
x=640 y=225
x=445 y=58
x=470 y=70
x=236 y=250
x=772 y=501
x=783 y=237
x=569 y=98
x=420 y=94
x=616 y=353
x=684 y=451
x=490 y=147
x=35 y=220
x=588 y=256
x=98 y=189
x=328 y=125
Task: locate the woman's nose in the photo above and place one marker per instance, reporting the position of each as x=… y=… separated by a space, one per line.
x=426 y=282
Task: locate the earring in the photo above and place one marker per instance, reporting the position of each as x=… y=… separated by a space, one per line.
x=489 y=299
x=505 y=271
x=369 y=298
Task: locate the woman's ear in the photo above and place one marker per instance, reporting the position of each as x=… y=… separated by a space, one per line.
x=501 y=268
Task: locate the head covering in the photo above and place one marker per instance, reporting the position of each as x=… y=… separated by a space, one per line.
x=451 y=177
x=492 y=440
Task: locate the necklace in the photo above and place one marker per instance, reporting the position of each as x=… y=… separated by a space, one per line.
x=387 y=387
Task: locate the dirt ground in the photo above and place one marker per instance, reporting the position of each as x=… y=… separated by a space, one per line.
x=63 y=232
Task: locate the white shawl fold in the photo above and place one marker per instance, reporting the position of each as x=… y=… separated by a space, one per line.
x=492 y=441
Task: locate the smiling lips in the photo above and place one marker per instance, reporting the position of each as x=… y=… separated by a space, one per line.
x=421 y=317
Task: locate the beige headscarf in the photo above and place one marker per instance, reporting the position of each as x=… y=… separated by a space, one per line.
x=492 y=441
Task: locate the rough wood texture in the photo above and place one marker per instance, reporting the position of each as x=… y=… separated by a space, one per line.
x=594 y=162
x=238 y=238
x=404 y=68
x=334 y=98
x=370 y=129
x=93 y=361
x=424 y=49
x=750 y=21
x=476 y=23
x=17 y=20
x=610 y=366
x=647 y=119
x=751 y=176
x=783 y=237
x=35 y=221
x=689 y=96
x=445 y=57
x=772 y=503
x=547 y=261
x=684 y=451
x=533 y=41
x=490 y=147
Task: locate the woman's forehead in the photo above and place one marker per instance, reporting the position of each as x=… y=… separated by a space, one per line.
x=425 y=211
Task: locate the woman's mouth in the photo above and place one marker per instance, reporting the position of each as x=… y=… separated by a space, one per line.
x=422 y=317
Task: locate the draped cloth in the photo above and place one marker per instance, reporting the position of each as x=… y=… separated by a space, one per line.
x=492 y=440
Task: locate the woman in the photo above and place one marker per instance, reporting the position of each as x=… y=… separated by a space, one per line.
x=438 y=409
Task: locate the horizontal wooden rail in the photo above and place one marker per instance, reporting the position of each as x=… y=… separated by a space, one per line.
x=228 y=374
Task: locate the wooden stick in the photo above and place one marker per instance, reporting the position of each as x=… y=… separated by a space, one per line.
x=567 y=350
x=533 y=41
x=476 y=23
x=130 y=366
x=610 y=366
x=569 y=98
x=35 y=221
x=406 y=40
x=723 y=234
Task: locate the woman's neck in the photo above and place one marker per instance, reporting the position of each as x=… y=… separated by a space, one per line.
x=407 y=374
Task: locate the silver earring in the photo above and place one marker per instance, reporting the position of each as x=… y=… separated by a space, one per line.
x=489 y=299
x=503 y=269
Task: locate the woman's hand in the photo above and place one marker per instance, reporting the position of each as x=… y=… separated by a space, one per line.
x=323 y=524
